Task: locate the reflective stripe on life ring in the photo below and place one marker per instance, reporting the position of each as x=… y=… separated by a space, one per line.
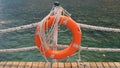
x=71 y=49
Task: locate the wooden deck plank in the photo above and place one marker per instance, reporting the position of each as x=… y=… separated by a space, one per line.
x=35 y=65
x=117 y=64
x=80 y=65
x=2 y=64
x=47 y=65
x=99 y=65
x=55 y=65
x=86 y=64
x=22 y=64
x=42 y=65
x=8 y=65
x=74 y=65
x=106 y=65
x=28 y=65
x=68 y=65
x=60 y=65
x=112 y=65
x=15 y=65
x=93 y=65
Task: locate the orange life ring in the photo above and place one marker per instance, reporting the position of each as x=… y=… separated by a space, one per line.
x=74 y=45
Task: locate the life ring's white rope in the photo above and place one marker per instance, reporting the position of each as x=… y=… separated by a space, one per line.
x=81 y=25
x=61 y=46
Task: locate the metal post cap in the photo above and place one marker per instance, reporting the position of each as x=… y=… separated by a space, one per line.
x=56 y=3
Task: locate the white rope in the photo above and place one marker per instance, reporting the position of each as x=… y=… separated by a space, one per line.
x=18 y=28
x=61 y=46
x=99 y=28
x=81 y=25
x=42 y=22
x=18 y=49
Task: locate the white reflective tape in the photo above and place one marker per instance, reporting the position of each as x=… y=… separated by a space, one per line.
x=75 y=45
x=52 y=56
x=65 y=21
x=79 y=29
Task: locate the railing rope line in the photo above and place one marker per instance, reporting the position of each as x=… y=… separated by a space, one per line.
x=81 y=25
x=99 y=28
x=18 y=28
x=61 y=46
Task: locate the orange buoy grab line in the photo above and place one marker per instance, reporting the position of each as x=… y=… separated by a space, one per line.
x=71 y=49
